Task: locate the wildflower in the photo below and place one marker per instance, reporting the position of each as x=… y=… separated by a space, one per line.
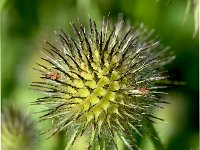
x=103 y=83
x=17 y=129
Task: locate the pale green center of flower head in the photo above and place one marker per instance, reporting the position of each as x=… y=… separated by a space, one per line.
x=97 y=95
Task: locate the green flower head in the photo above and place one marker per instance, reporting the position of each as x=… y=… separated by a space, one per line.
x=102 y=82
x=18 y=131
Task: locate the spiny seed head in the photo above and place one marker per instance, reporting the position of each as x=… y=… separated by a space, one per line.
x=17 y=129
x=102 y=82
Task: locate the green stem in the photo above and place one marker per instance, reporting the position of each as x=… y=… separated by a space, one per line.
x=61 y=141
x=155 y=139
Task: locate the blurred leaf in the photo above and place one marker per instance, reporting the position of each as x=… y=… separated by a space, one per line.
x=192 y=6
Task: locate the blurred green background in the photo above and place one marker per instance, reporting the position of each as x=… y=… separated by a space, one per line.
x=26 y=23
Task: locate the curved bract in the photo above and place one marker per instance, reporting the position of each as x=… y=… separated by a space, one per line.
x=102 y=82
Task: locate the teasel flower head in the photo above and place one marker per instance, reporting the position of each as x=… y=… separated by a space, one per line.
x=102 y=82
x=18 y=131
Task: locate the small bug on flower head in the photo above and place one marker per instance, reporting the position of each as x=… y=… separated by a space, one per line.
x=143 y=91
x=53 y=75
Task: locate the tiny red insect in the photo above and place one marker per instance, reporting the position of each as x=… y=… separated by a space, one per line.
x=143 y=91
x=53 y=75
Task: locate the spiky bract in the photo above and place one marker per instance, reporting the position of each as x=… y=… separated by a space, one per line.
x=17 y=129
x=101 y=82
